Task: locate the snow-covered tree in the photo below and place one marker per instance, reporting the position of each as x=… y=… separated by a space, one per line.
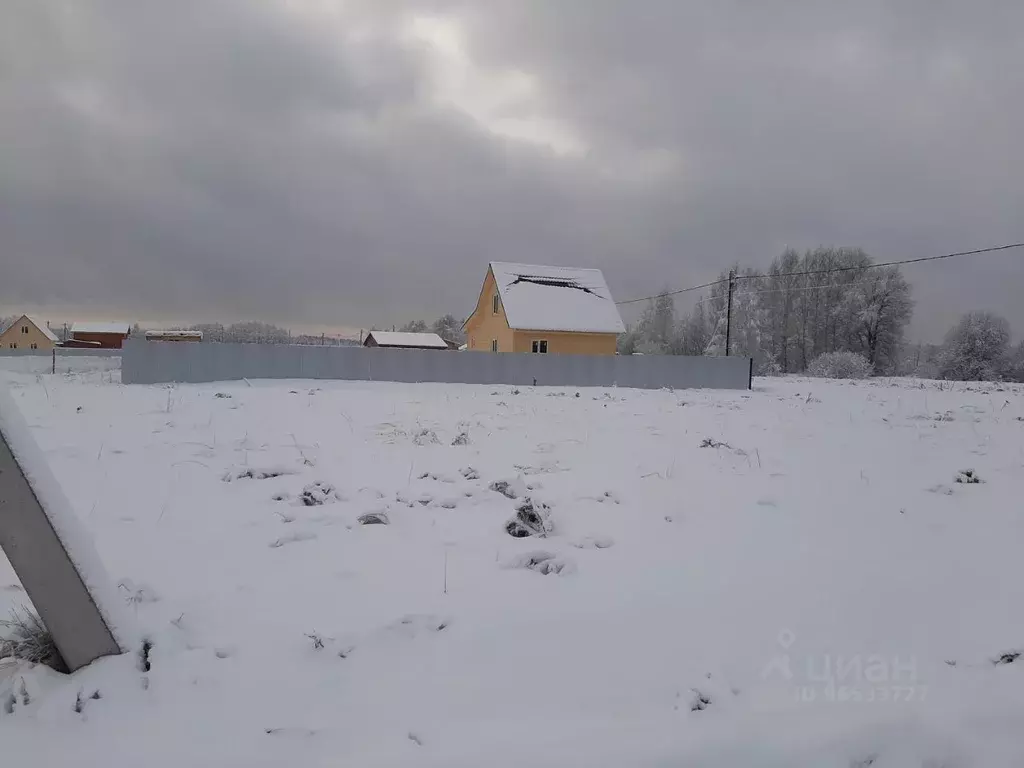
x=696 y=330
x=243 y=333
x=880 y=308
x=627 y=342
x=657 y=327
x=1014 y=369
x=975 y=348
x=416 y=326
x=449 y=328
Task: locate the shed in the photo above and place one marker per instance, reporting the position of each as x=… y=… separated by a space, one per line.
x=107 y=335
x=404 y=340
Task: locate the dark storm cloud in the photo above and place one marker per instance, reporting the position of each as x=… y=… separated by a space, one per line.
x=277 y=160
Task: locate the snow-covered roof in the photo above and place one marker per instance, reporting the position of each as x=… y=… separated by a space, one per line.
x=540 y=298
x=406 y=339
x=120 y=328
x=44 y=328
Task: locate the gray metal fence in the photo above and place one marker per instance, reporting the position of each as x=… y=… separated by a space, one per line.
x=148 y=362
x=59 y=360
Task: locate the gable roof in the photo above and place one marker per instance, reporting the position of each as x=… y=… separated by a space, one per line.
x=541 y=298
x=407 y=339
x=115 y=328
x=43 y=327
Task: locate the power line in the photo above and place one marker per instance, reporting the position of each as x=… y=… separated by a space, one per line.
x=889 y=263
x=673 y=293
x=830 y=271
x=824 y=286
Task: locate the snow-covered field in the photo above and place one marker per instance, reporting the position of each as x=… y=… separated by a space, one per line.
x=785 y=577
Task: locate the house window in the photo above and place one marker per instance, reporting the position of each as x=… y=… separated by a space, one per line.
x=494 y=345
x=34 y=346
x=540 y=347
x=24 y=329
x=495 y=304
x=14 y=346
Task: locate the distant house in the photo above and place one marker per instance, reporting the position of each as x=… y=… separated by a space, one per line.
x=403 y=340
x=27 y=333
x=544 y=310
x=174 y=335
x=104 y=335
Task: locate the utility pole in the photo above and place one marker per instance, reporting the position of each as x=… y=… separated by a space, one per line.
x=728 y=314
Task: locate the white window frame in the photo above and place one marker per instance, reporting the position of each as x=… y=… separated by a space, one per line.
x=495 y=304
x=494 y=345
x=33 y=345
x=537 y=346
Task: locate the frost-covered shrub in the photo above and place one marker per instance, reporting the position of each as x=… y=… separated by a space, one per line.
x=840 y=365
x=318 y=493
x=25 y=637
x=532 y=519
x=769 y=367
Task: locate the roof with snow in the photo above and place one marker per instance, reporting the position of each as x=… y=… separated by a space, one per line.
x=44 y=328
x=118 y=328
x=406 y=339
x=540 y=298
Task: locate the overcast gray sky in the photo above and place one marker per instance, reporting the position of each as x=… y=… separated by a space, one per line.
x=329 y=163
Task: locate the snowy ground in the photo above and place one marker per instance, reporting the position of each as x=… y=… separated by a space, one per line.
x=815 y=591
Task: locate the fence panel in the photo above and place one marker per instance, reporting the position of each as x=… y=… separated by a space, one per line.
x=149 y=362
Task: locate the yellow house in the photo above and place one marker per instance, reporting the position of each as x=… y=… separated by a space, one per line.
x=544 y=310
x=28 y=333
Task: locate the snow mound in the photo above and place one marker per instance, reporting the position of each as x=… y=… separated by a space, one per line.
x=546 y=563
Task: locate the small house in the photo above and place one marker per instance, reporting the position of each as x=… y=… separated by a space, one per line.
x=404 y=340
x=105 y=335
x=28 y=333
x=544 y=310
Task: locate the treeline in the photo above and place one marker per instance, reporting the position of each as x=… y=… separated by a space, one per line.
x=822 y=301
x=448 y=327
x=262 y=333
x=805 y=305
